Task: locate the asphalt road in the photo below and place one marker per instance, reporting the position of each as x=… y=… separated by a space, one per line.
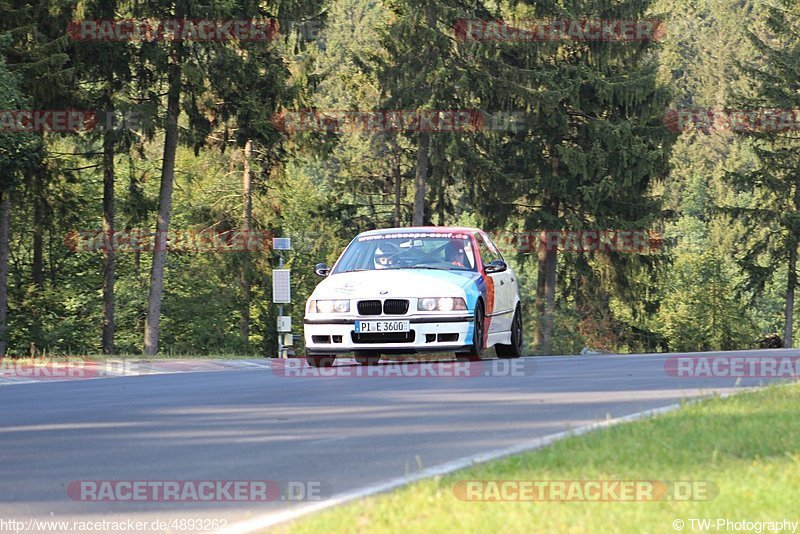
x=259 y=425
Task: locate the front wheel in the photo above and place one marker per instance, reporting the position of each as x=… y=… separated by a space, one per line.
x=320 y=361
x=515 y=349
x=475 y=351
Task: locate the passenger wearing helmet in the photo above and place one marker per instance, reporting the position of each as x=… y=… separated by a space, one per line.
x=454 y=253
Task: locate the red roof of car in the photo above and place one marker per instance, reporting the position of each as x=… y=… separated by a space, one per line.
x=461 y=229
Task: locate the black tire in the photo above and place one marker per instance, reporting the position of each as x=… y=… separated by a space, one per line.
x=320 y=360
x=515 y=349
x=367 y=359
x=475 y=352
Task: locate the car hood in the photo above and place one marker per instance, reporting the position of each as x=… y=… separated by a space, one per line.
x=396 y=283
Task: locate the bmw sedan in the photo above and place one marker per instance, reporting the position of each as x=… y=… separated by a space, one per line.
x=411 y=290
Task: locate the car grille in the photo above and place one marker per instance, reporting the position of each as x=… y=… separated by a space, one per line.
x=389 y=307
x=369 y=307
x=395 y=307
x=384 y=337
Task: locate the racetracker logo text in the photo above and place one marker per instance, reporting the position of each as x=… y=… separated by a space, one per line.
x=198 y=490
x=172 y=30
x=580 y=241
x=538 y=30
x=298 y=368
x=378 y=121
x=733 y=366
x=175 y=240
x=734 y=120
x=62 y=369
x=73 y=120
x=585 y=490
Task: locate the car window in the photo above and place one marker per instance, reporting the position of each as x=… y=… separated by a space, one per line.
x=412 y=250
x=494 y=248
x=488 y=254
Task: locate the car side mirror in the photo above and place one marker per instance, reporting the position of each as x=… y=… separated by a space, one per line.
x=497 y=266
x=322 y=269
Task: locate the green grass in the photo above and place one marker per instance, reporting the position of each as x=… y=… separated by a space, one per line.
x=748 y=445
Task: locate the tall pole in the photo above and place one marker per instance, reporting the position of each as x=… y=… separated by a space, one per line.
x=280 y=314
x=281 y=289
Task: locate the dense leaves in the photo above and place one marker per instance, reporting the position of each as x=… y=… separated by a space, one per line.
x=574 y=139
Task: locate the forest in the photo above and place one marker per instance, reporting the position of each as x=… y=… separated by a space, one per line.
x=147 y=161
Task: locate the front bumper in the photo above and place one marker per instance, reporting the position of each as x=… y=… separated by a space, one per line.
x=428 y=333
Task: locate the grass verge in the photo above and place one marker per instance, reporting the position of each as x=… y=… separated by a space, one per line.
x=748 y=445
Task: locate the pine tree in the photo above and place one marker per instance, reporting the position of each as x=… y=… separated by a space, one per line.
x=18 y=152
x=183 y=67
x=776 y=178
x=593 y=139
x=105 y=72
x=248 y=100
x=38 y=55
x=420 y=73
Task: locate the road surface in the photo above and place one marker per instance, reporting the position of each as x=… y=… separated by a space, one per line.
x=257 y=424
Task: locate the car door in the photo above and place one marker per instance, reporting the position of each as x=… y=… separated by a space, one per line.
x=504 y=283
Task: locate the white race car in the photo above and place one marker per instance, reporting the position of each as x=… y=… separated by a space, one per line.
x=408 y=290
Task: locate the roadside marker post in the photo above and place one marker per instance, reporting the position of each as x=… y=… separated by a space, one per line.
x=282 y=291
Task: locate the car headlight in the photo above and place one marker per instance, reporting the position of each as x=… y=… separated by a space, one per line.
x=329 y=306
x=441 y=304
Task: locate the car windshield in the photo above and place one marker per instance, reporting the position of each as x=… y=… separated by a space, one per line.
x=413 y=250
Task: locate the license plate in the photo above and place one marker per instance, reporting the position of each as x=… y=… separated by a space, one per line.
x=371 y=327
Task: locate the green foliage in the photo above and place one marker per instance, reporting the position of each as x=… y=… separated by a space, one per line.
x=700 y=309
x=18 y=151
x=590 y=151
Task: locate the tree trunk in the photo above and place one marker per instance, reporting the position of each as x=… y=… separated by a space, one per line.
x=398 y=185
x=109 y=254
x=5 y=208
x=423 y=146
x=545 y=299
x=790 y=287
x=791 y=281
x=247 y=189
x=440 y=200
x=546 y=288
x=151 y=328
x=419 y=181
x=37 y=267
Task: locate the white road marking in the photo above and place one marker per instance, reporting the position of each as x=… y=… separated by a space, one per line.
x=327 y=440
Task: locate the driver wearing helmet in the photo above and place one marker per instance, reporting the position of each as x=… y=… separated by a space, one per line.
x=382 y=260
